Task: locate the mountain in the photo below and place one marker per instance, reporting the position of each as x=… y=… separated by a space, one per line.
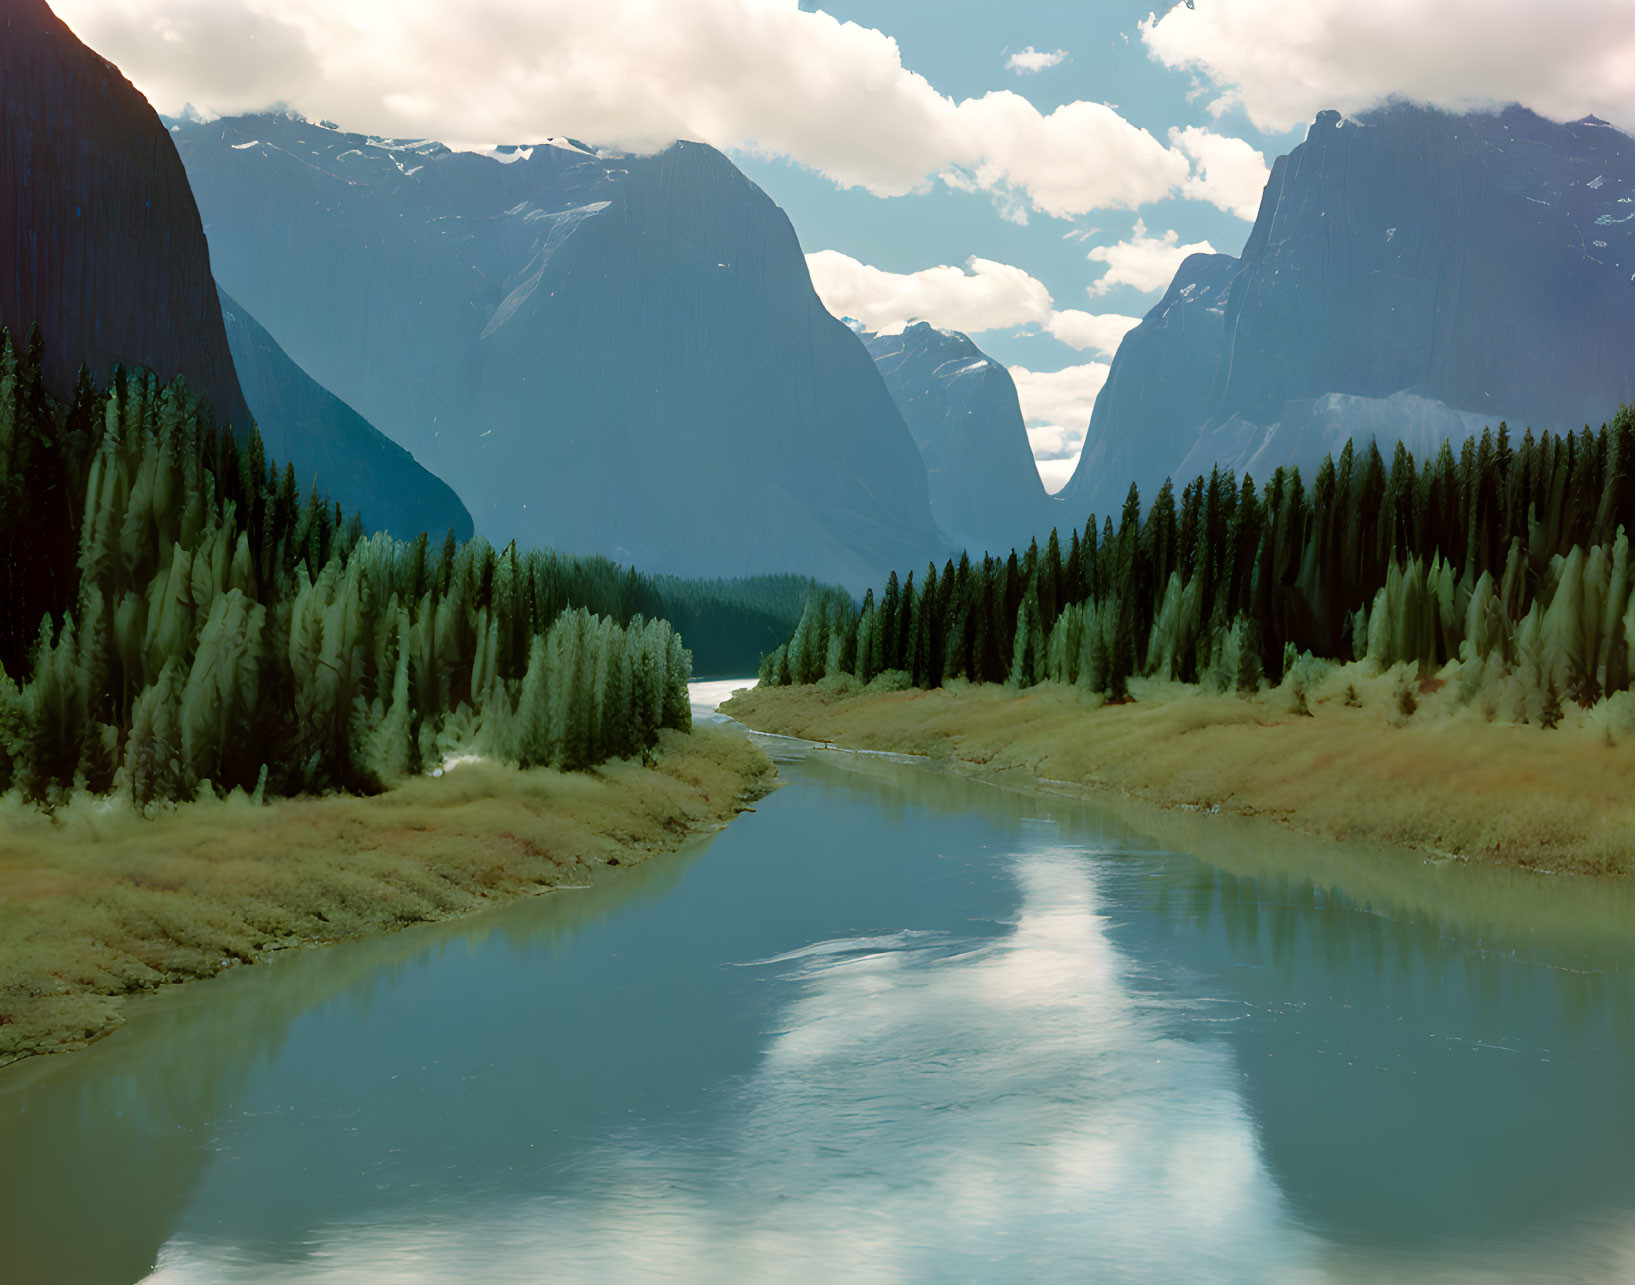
x=103 y=247
x=961 y=409
x=1411 y=275
x=604 y=353
x=100 y=240
x=360 y=466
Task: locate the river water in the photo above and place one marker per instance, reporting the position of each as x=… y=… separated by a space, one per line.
x=893 y=1025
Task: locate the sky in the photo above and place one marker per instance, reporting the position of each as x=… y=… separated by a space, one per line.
x=1030 y=172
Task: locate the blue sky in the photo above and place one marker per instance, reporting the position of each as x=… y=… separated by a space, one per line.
x=962 y=47
x=1042 y=211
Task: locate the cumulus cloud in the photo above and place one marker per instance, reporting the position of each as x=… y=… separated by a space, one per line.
x=1055 y=474
x=1056 y=406
x=1227 y=173
x=983 y=295
x=1059 y=396
x=1024 y=61
x=1284 y=63
x=1145 y=262
x=1089 y=331
x=764 y=76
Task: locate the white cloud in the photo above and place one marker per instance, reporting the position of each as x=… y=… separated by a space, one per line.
x=760 y=75
x=1055 y=442
x=1024 y=61
x=983 y=295
x=1284 y=63
x=1055 y=474
x=1146 y=262
x=1060 y=399
x=1229 y=174
x=1088 y=331
x=1056 y=406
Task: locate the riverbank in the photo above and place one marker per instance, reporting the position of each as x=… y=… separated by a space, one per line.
x=96 y=903
x=1439 y=780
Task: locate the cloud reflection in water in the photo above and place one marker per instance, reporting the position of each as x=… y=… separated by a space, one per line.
x=993 y=1105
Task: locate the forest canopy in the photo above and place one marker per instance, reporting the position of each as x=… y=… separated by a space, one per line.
x=176 y=615
x=1511 y=558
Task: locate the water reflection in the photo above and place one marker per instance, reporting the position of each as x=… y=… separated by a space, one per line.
x=930 y=1104
x=107 y=1149
x=894 y=1024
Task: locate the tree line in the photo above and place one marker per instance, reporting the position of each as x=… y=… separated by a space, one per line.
x=176 y=615
x=1508 y=556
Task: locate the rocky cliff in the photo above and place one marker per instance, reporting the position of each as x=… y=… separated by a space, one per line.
x=100 y=241
x=611 y=354
x=961 y=409
x=1412 y=274
x=102 y=245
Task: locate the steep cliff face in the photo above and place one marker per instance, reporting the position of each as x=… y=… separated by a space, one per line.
x=620 y=355
x=100 y=241
x=1151 y=412
x=961 y=409
x=1411 y=274
x=303 y=422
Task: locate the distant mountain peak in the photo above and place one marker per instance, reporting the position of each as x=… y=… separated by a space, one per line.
x=962 y=409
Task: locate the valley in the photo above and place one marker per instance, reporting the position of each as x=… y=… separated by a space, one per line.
x=746 y=640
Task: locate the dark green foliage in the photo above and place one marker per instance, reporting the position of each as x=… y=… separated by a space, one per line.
x=200 y=625
x=1511 y=557
x=728 y=624
x=1550 y=709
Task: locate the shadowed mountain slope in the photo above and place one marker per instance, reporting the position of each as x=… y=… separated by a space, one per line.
x=301 y=420
x=961 y=408
x=611 y=354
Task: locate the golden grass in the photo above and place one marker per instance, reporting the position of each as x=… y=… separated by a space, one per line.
x=1443 y=780
x=96 y=903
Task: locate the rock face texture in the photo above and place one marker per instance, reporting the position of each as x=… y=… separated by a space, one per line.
x=100 y=241
x=961 y=409
x=301 y=421
x=1412 y=275
x=611 y=354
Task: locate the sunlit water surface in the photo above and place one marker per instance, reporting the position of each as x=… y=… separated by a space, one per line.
x=892 y=1025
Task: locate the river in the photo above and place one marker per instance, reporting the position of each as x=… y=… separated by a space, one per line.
x=892 y=1025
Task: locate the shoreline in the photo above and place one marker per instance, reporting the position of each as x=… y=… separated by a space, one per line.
x=97 y=904
x=1445 y=785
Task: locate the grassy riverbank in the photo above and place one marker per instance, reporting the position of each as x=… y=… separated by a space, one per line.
x=96 y=903
x=1441 y=779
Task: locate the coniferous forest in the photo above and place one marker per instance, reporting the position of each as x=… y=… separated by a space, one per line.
x=1511 y=557
x=179 y=616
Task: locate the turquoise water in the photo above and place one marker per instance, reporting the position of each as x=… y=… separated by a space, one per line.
x=892 y=1025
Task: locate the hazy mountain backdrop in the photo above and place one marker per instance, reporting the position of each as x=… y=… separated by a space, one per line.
x=610 y=354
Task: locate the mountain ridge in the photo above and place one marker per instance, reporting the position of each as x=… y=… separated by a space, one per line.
x=1489 y=279
x=603 y=353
